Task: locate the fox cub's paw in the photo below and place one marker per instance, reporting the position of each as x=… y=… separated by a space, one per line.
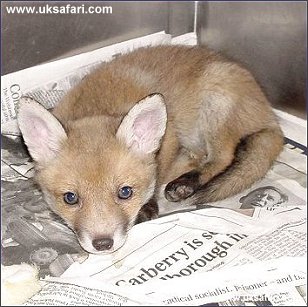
x=182 y=187
x=148 y=212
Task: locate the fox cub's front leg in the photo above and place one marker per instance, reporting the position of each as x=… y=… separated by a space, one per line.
x=148 y=212
x=202 y=169
x=183 y=187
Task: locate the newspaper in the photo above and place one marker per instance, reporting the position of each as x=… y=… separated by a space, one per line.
x=272 y=283
x=171 y=260
x=205 y=256
x=182 y=244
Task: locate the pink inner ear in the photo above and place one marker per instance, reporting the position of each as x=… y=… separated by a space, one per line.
x=39 y=132
x=146 y=125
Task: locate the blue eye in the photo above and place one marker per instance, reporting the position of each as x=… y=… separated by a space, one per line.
x=125 y=192
x=70 y=198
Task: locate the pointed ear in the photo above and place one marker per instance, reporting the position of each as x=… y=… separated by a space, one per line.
x=144 y=126
x=42 y=132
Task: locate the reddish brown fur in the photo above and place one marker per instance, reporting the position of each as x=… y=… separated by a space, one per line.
x=185 y=76
x=213 y=105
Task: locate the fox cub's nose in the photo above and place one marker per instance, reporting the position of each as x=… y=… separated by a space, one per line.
x=102 y=244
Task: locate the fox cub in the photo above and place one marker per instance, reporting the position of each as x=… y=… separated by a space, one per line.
x=168 y=122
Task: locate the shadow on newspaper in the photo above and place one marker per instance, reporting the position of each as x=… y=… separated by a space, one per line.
x=240 y=303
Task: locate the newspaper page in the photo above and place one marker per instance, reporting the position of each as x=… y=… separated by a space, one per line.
x=271 y=283
x=183 y=244
x=172 y=253
x=168 y=260
x=278 y=282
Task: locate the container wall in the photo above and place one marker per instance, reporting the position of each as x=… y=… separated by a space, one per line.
x=30 y=39
x=267 y=37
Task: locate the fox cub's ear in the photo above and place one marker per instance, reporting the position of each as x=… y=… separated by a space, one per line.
x=42 y=132
x=144 y=126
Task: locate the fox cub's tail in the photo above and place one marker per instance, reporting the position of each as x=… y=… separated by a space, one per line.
x=253 y=158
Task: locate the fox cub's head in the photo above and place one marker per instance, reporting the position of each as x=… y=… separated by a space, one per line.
x=96 y=172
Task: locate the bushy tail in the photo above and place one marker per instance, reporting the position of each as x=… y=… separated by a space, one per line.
x=253 y=158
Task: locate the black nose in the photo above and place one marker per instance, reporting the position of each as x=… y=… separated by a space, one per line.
x=102 y=244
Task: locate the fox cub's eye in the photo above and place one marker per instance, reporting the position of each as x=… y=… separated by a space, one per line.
x=125 y=192
x=70 y=198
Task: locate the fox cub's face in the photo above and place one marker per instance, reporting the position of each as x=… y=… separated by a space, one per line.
x=96 y=173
